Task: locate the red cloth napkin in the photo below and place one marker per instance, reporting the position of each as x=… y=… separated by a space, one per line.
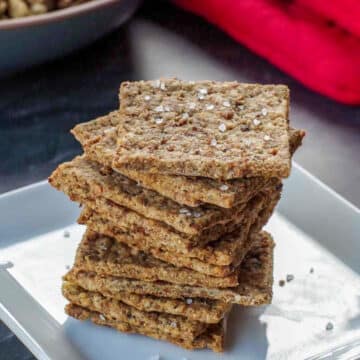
x=290 y=35
x=345 y=13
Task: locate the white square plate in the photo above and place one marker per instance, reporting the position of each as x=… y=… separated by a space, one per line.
x=314 y=228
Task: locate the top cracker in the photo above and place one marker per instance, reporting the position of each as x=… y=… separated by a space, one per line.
x=219 y=130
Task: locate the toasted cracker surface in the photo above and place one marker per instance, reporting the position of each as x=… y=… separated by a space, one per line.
x=175 y=326
x=208 y=260
x=170 y=239
x=106 y=255
x=98 y=224
x=125 y=192
x=220 y=130
x=255 y=280
x=142 y=234
x=212 y=339
x=203 y=310
x=98 y=138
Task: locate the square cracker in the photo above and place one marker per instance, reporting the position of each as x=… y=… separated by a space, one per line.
x=125 y=192
x=105 y=255
x=98 y=139
x=84 y=182
x=255 y=280
x=203 y=310
x=212 y=339
x=219 y=130
x=208 y=260
x=173 y=325
x=216 y=248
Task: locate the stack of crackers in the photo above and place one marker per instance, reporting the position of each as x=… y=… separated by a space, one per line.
x=176 y=186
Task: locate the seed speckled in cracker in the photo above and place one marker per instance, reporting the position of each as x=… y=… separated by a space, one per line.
x=185 y=146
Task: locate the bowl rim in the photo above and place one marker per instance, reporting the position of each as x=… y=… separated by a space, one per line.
x=56 y=15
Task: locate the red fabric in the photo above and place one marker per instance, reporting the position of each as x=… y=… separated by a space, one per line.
x=345 y=13
x=325 y=58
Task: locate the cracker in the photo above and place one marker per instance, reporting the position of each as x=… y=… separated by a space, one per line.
x=203 y=310
x=255 y=281
x=173 y=325
x=98 y=224
x=208 y=260
x=146 y=234
x=83 y=173
x=98 y=138
x=213 y=338
x=176 y=132
x=106 y=255
x=161 y=233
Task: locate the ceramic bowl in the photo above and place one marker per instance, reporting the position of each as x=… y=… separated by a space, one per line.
x=35 y=39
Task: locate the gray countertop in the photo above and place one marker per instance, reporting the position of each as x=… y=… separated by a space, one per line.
x=39 y=106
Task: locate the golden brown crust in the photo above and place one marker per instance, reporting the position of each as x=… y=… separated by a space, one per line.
x=108 y=256
x=164 y=236
x=97 y=223
x=207 y=260
x=220 y=142
x=225 y=251
x=212 y=339
x=98 y=138
x=173 y=325
x=127 y=193
x=203 y=310
x=255 y=278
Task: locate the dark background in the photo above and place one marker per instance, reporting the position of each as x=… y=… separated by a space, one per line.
x=38 y=107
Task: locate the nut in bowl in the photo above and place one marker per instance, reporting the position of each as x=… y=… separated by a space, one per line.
x=28 y=28
x=11 y=9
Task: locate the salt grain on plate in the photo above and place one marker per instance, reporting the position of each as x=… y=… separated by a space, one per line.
x=173 y=324
x=222 y=127
x=162 y=86
x=167 y=108
x=226 y=103
x=266 y=137
x=159 y=121
x=264 y=112
x=189 y=301
x=224 y=187
x=203 y=91
x=201 y=97
x=102 y=317
x=147 y=97
x=155 y=357
x=185 y=116
x=210 y=107
x=192 y=105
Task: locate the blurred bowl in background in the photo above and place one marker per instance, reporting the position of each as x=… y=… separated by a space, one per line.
x=35 y=39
